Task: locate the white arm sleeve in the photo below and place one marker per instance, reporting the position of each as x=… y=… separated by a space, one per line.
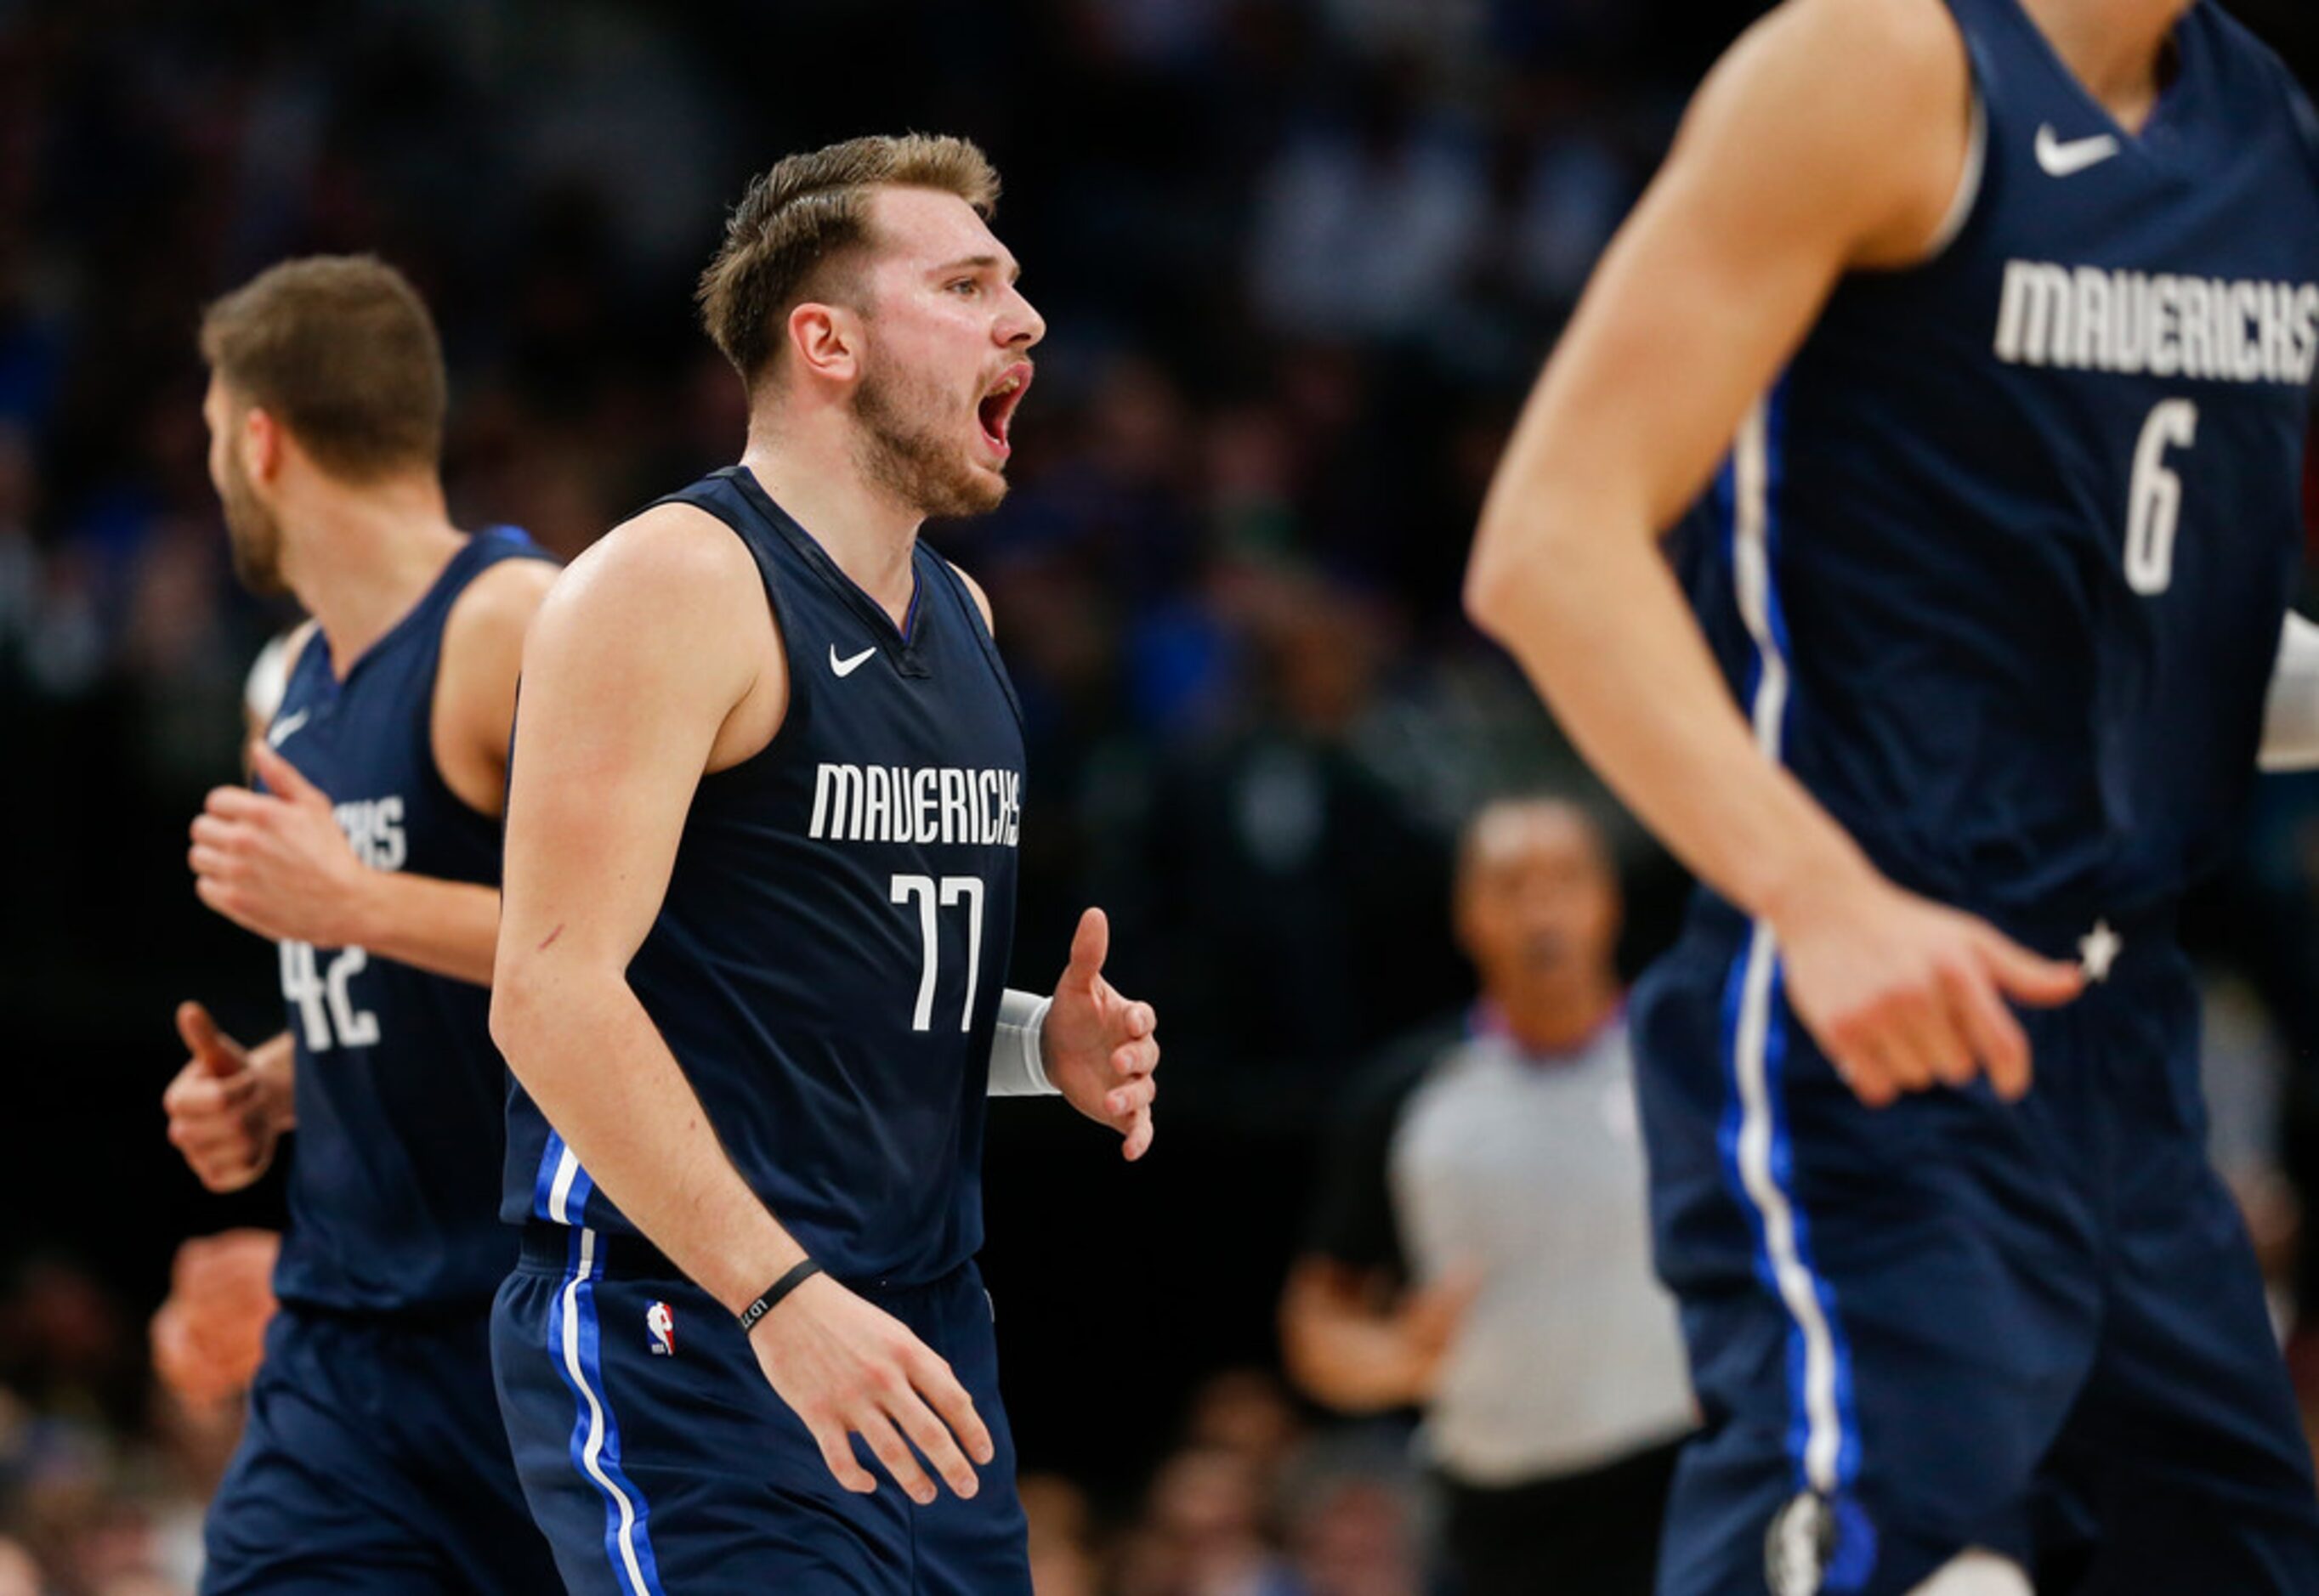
x=2290 y=717
x=1016 y=1069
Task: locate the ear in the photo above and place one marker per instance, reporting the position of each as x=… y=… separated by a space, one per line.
x=826 y=340
x=261 y=445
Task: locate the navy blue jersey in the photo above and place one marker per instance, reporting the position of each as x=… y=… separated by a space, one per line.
x=392 y=1190
x=827 y=962
x=1999 y=567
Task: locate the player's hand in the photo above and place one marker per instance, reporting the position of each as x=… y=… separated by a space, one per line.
x=846 y=1368
x=1099 y=1049
x=210 y=1336
x=1904 y=995
x=276 y=862
x=220 y=1117
x=1426 y=1325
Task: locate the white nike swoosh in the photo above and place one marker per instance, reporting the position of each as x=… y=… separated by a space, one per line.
x=847 y=667
x=284 y=729
x=2068 y=160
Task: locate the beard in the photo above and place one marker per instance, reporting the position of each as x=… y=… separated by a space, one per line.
x=252 y=532
x=904 y=450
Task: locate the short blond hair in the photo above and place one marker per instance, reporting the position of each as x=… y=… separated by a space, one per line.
x=339 y=349
x=812 y=209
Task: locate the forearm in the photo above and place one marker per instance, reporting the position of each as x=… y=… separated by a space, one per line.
x=1018 y=1063
x=2290 y=717
x=591 y=1056
x=1596 y=620
x=1344 y=1355
x=447 y=928
x=275 y=1062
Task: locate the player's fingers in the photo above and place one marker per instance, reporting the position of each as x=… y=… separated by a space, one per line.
x=1132 y=1098
x=210 y=831
x=935 y=1444
x=1899 y=1048
x=234 y=803
x=1946 y=1046
x=886 y=1444
x=1139 y=1139
x=939 y=1387
x=837 y=1455
x=1996 y=1037
x=1136 y=1058
x=211 y=862
x=1090 y=946
x=284 y=778
x=196 y=1028
x=1860 y=1066
x=1140 y=1020
x=2025 y=976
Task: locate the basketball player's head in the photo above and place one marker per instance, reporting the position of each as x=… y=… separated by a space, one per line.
x=1538 y=897
x=864 y=277
x=323 y=372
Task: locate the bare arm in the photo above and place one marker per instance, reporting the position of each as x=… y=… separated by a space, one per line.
x=276 y=864
x=621 y=711
x=654 y=661
x=1832 y=137
x=1350 y=1345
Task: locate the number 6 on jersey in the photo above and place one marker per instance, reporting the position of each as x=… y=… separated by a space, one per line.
x=2155 y=497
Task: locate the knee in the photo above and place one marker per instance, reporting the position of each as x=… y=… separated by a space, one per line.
x=1976 y=1573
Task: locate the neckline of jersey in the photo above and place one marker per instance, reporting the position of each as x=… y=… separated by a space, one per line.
x=2164 y=111
x=403 y=623
x=904 y=636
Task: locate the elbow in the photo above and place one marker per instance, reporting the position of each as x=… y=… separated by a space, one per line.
x=1497 y=571
x=515 y=1009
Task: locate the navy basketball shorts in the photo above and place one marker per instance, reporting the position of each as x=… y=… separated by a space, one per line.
x=2036 y=1329
x=660 y=1463
x=373 y=1461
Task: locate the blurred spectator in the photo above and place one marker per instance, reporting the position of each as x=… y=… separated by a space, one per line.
x=1481 y=1247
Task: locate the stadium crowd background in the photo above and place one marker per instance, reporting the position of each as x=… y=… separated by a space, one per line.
x=1300 y=258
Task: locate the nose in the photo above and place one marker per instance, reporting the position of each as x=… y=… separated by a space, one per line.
x=1020 y=325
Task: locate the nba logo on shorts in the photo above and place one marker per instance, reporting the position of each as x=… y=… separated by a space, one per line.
x=660 y=1322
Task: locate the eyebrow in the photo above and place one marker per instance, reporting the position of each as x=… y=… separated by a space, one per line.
x=979 y=263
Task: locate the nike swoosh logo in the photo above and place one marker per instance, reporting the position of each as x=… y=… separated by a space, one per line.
x=847 y=667
x=284 y=729
x=2062 y=160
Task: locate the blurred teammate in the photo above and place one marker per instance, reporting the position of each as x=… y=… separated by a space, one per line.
x=1478 y=1249
x=372 y=1459
x=1999 y=315
x=762 y=842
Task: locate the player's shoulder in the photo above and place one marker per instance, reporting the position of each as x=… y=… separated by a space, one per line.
x=503 y=595
x=1872 y=65
x=671 y=551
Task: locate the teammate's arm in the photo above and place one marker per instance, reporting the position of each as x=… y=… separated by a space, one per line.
x=1096 y=1049
x=229 y=1105
x=646 y=665
x=1833 y=137
x=277 y=863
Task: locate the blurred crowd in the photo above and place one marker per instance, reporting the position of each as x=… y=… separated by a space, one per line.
x=1299 y=258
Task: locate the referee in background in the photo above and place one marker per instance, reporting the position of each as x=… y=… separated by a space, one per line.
x=1481 y=1245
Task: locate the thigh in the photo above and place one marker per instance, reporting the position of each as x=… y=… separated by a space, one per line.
x=1889 y=1314
x=2184 y=1465
x=315 y=1502
x=979 y=1546
x=657 y=1459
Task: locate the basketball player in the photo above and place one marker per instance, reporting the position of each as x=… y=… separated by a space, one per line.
x=762 y=838
x=2010 y=306
x=373 y=1459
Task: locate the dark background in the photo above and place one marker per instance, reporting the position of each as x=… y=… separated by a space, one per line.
x=1299 y=258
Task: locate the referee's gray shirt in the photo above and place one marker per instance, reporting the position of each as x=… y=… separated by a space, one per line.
x=1468 y=1151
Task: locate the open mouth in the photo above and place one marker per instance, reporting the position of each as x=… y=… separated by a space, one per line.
x=996 y=410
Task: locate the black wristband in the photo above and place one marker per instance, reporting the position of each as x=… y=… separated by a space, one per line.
x=765 y=1305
